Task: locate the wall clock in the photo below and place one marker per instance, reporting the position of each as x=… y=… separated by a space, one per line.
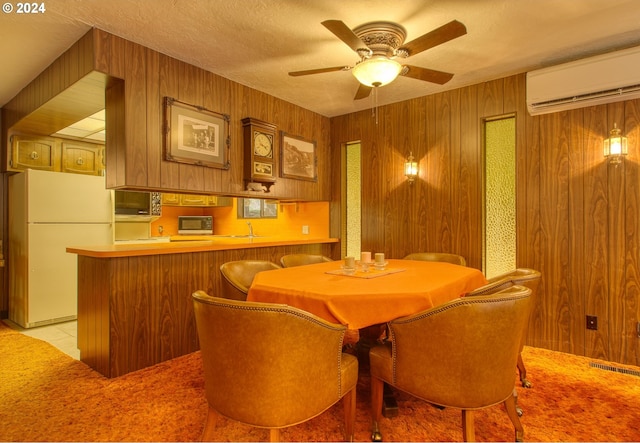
x=260 y=153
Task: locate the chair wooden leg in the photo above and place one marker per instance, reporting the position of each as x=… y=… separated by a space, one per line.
x=377 y=389
x=349 y=404
x=274 y=434
x=210 y=426
x=518 y=408
x=510 y=406
x=468 y=426
x=389 y=402
x=522 y=371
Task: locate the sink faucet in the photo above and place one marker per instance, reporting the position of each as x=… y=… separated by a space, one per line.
x=250 y=229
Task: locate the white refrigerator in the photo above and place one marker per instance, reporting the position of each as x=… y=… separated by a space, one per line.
x=49 y=211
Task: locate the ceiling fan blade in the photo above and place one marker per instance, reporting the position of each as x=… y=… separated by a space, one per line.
x=319 y=71
x=451 y=30
x=344 y=33
x=363 y=92
x=427 y=75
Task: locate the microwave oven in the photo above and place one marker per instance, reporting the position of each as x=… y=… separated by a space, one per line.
x=137 y=206
x=195 y=224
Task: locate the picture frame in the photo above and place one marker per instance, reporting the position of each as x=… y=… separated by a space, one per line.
x=262 y=168
x=298 y=158
x=195 y=135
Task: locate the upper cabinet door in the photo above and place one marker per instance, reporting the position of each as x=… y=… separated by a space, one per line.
x=55 y=154
x=81 y=158
x=34 y=153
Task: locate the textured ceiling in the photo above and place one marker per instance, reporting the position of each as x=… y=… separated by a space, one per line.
x=257 y=42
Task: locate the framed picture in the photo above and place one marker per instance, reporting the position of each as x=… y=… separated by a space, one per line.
x=298 y=158
x=262 y=168
x=195 y=135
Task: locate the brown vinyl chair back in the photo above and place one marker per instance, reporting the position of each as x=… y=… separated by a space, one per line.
x=271 y=365
x=491 y=287
x=529 y=278
x=291 y=260
x=238 y=276
x=460 y=354
x=438 y=256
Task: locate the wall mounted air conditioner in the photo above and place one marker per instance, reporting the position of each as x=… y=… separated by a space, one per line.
x=606 y=78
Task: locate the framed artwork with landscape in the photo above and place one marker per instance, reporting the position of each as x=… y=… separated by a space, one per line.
x=195 y=135
x=298 y=158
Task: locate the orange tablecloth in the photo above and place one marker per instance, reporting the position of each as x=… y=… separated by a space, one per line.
x=361 y=302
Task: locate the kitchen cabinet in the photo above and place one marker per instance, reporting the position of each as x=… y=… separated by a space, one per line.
x=32 y=152
x=55 y=154
x=215 y=200
x=82 y=158
x=170 y=199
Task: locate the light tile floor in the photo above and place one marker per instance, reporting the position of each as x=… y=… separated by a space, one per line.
x=63 y=336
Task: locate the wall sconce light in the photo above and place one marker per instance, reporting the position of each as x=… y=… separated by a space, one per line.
x=615 y=146
x=411 y=168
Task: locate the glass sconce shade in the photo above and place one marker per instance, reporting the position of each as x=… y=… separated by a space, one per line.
x=615 y=146
x=411 y=168
x=376 y=71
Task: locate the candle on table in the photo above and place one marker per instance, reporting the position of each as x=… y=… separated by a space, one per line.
x=365 y=257
x=379 y=258
x=350 y=262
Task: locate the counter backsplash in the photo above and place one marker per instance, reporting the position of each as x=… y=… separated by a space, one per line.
x=291 y=220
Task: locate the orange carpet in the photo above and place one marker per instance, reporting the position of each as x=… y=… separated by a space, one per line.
x=47 y=396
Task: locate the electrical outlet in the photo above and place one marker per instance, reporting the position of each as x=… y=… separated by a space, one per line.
x=592 y=322
x=305 y=229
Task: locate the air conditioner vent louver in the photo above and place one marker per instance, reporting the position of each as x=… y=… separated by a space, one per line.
x=591 y=96
x=592 y=81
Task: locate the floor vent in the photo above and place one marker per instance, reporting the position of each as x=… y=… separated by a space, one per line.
x=614 y=369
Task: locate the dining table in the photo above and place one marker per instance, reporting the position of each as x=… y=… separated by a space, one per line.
x=366 y=297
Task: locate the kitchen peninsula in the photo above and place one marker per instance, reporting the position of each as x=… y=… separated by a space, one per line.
x=134 y=300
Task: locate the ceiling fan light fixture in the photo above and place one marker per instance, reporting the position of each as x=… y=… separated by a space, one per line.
x=376 y=71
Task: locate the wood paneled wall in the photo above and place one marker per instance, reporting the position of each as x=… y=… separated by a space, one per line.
x=137 y=79
x=4 y=230
x=135 y=105
x=577 y=215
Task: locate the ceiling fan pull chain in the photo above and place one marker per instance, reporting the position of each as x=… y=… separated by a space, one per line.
x=375 y=103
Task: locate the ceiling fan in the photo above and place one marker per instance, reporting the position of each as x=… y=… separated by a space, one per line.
x=379 y=45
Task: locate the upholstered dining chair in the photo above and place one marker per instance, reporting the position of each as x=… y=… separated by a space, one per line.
x=271 y=365
x=460 y=354
x=291 y=260
x=438 y=256
x=238 y=276
x=529 y=278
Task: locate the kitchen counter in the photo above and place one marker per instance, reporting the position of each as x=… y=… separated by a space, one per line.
x=191 y=243
x=134 y=299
